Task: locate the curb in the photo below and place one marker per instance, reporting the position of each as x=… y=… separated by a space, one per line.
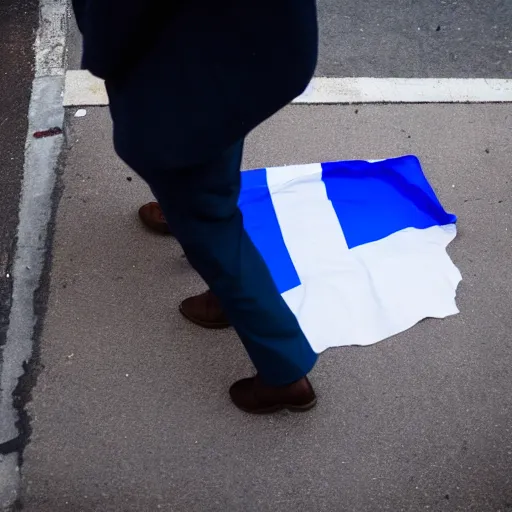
x=42 y=149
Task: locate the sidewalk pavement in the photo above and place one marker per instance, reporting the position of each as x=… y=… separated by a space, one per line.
x=131 y=411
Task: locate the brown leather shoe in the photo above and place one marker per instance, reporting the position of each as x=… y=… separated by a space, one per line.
x=253 y=396
x=205 y=310
x=153 y=218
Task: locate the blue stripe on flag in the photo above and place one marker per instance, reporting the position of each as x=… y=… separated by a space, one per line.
x=374 y=200
x=260 y=222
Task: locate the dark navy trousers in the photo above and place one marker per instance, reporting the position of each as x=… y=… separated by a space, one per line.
x=200 y=203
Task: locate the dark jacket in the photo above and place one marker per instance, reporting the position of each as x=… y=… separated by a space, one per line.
x=187 y=80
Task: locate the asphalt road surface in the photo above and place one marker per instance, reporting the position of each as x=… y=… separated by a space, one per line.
x=416 y=38
x=405 y=38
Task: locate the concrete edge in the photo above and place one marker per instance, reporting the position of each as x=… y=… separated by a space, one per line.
x=46 y=116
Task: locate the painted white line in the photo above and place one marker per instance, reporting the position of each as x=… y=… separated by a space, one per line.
x=407 y=90
x=82 y=89
x=35 y=210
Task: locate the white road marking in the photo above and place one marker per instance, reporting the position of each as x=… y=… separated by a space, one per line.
x=406 y=90
x=82 y=89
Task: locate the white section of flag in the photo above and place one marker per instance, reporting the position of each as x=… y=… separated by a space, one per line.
x=379 y=289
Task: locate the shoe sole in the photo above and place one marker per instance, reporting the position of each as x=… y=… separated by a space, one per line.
x=282 y=407
x=202 y=323
x=156 y=229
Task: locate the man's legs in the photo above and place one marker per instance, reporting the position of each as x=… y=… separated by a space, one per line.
x=200 y=203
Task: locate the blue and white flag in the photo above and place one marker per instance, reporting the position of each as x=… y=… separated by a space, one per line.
x=357 y=249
